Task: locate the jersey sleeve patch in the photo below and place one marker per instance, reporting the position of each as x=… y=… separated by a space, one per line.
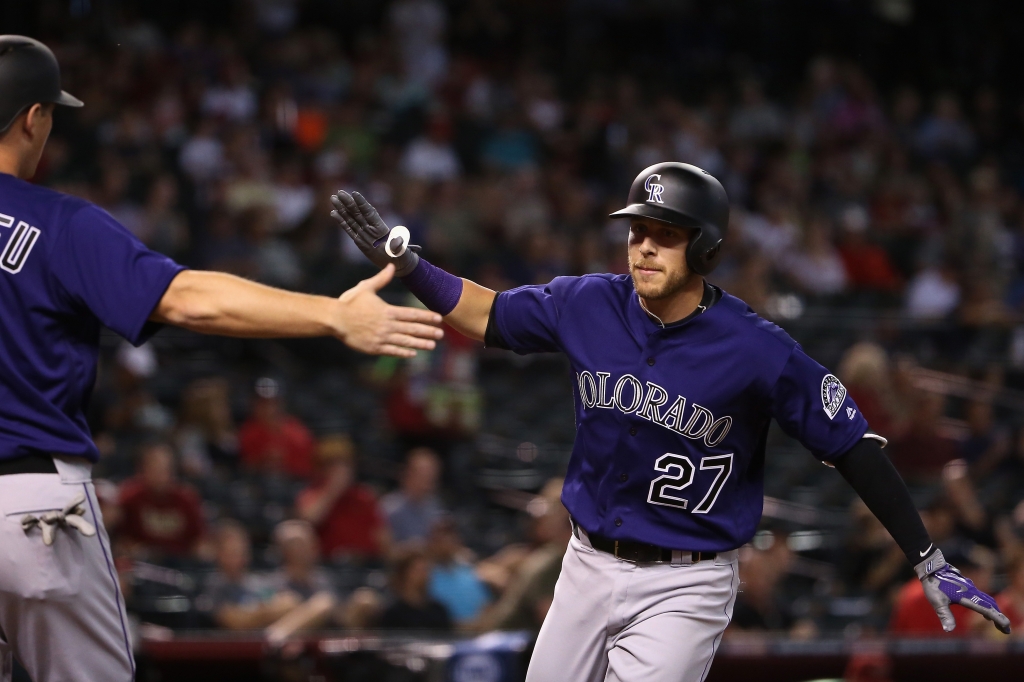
x=833 y=393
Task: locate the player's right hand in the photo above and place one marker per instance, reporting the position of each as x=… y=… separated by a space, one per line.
x=367 y=324
x=945 y=585
x=378 y=242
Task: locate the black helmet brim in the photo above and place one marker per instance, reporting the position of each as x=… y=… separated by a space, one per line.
x=666 y=215
x=68 y=100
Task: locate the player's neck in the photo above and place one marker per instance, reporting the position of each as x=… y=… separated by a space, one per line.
x=679 y=305
x=12 y=162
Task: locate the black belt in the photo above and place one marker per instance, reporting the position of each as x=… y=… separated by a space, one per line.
x=637 y=552
x=36 y=463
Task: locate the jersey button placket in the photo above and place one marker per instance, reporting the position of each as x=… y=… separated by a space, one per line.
x=632 y=430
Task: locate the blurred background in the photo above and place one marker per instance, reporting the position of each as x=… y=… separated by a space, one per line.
x=291 y=510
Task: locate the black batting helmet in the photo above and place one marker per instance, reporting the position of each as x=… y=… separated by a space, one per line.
x=687 y=196
x=29 y=75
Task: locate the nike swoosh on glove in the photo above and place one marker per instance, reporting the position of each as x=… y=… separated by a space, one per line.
x=944 y=585
x=378 y=242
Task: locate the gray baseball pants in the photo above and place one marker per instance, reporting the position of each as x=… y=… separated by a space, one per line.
x=61 y=609
x=616 y=621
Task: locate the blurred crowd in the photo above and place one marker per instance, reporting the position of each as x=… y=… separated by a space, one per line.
x=885 y=230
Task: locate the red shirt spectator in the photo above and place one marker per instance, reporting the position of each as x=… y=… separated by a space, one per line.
x=920 y=452
x=867 y=265
x=345 y=514
x=159 y=513
x=914 y=616
x=271 y=439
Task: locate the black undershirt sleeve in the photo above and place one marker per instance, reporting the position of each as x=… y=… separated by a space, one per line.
x=492 y=337
x=870 y=473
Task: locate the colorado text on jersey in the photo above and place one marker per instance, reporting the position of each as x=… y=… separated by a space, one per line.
x=629 y=396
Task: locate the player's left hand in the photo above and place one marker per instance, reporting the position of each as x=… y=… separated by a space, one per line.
x=367 y=324
x=945 y=585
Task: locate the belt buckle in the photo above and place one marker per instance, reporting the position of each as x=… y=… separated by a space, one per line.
x=633 y=558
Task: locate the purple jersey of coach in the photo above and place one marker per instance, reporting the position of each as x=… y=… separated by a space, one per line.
x=671 y=422
x=67 y=269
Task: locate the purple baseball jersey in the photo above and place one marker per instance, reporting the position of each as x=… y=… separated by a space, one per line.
x=671 y=422
x=67 y=268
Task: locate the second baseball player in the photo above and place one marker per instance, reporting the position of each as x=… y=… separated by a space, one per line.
x=676 y=383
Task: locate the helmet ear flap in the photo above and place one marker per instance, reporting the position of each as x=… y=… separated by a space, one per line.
x=700 y=257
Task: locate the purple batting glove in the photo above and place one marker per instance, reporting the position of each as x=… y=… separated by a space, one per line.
x=944 y=585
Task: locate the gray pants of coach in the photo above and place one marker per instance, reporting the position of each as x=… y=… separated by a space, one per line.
x=616 y=621
x=61 y=609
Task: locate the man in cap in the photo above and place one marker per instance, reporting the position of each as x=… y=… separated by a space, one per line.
x=67 y=268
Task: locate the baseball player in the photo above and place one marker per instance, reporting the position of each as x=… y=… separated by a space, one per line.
x=66 y=269
x=676 y=383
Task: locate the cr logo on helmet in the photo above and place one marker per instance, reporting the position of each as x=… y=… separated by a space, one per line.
x=654 y=189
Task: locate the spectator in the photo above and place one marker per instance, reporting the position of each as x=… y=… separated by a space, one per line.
x=273 y=441
x=987 y=445
x=412 y=607
x=344 y=512
x=945 y=134
x=872 y=561
x=868 y=267
x=530 y=590
x=202 y=156
x=161 y=226
x=770 y=234
x=453 y=579
x=126 y=408
x=512 y=147
x=275 y=261
x=235 y=598
x=756 y=119
x=933 y=293
x=362 y=610
x=760 y=605
x=300 y=572
x=920 y=451
x=816 y=268
x=206 y=435
x=300 y=577
x=973 y=522
x=293 y=198
x=414 y=508
x=867 y=373
x=232 y=97
x=432 y=158
x=419 y=26
x=161 y=517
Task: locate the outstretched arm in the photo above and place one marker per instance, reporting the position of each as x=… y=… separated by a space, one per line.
x=470 y=315
x=870 y=473
x=219 y=303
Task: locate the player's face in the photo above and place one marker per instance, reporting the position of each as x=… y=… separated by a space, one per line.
x=657 y=258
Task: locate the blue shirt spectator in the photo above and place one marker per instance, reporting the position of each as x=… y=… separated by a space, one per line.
x=414 y=508
x=453 y=579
